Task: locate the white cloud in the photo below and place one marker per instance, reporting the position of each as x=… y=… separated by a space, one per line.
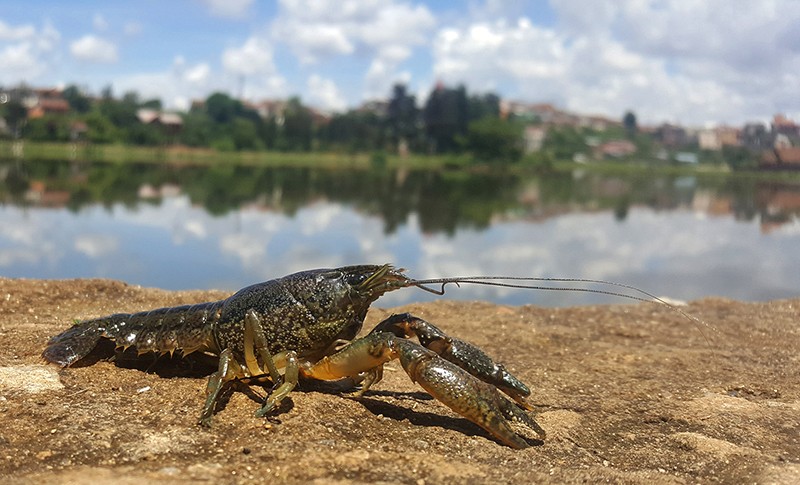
x=380 y=78
x=99 y=22
x=315 y=41
x=175 y=86
x=254 y=57
x=689 y=61
x=22 y=32
x=197 y=74
x=484 y=55
x=91 y=48
x=27 y=52
x=132 y=28
x=676 y=61
x=323 y=93
x=704 y=29
x=704 y=60
x=385 y=31
x=21 y=61
x=396 y=25
x=253 y=64
x=228 y=8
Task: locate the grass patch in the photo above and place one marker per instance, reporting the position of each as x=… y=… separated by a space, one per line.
x=187 y=156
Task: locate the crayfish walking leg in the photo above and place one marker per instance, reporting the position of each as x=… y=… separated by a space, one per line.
x=255 y=342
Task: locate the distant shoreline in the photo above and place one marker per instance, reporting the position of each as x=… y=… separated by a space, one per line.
x=185 y=156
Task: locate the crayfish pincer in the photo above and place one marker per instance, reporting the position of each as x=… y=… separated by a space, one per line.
x=305 y=325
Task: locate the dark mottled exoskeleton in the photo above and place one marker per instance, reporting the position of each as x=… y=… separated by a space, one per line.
x=305 y=324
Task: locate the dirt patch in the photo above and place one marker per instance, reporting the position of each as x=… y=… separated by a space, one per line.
x=626 y=394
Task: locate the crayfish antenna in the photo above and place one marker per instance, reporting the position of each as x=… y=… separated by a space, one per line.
x=497 y=281
x=432 y=290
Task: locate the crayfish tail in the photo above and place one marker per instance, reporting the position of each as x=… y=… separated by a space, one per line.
x=74 y=343
x=184 y=328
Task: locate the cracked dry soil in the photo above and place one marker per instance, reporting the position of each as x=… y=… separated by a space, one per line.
x=626 y=393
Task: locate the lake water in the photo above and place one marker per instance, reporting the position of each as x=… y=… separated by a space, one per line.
x=227 y=227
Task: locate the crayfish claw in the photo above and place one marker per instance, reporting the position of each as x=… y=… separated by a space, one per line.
x=450 y=383
x=468 y=396
x=461 y=353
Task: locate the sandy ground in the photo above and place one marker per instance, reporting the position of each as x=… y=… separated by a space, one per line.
x=626 y=393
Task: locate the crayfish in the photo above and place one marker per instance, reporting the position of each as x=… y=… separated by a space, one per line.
x=304 y=325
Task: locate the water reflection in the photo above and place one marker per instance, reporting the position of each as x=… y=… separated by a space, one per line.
x=228 y=226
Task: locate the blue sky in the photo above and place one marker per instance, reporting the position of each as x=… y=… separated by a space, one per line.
x=697 y=62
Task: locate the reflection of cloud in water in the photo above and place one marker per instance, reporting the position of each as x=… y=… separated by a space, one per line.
x=673 y=254
x=96 y=245
x=30 y=237
x=174 y=214
x=248 y=248
x=318 y=218
x=176 y=245
x=788 y=229
x=9 y=256
x=321 y=235
x=195 y=228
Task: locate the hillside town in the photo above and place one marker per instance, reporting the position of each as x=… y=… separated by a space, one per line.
x=451 y=121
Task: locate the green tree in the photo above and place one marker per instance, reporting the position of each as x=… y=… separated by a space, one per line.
x=197 y=129
x=47 y=128
x=629 y=122
x=223 y=143
x=76 y=99
x=244 y=134
x=493 y=139
x=15 y=115
x=353 y=131
x=402 y=116
x=99 y=128
x=564 y=142
x=131 y=98
x=154 y=103
x=481 y=106
x=446 y=116
x=121 y=114
x=738 y=158
x=268 y=132
x=298 y=128
x=148 y=135
x=222 y=108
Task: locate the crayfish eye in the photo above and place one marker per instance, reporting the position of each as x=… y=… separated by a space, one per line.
x=332 y=275
x=355 y=279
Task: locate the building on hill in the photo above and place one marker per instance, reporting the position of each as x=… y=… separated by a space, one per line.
x=46 y=106
x=615 y=149
x=171 y=123
x=785 y=126
x=716 y=138
x=780 y=159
